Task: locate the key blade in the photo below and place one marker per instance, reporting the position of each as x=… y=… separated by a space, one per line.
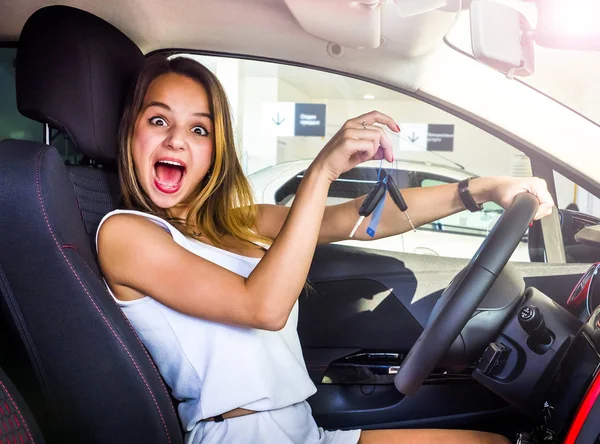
x=410 y=221
x=358 y=222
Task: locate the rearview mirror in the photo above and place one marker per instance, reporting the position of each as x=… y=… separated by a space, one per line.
x=503 y=38
x=500 y=37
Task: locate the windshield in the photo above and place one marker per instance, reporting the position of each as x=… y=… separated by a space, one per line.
x=567 y=76
x=570 y=77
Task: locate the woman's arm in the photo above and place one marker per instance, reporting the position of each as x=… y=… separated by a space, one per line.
x=429 y=204
x=425 y=205
x=138 y=258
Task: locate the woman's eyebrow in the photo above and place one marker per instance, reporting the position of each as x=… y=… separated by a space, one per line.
x=159 y=104
x=166 y=107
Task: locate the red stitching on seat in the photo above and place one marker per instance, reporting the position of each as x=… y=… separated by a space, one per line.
x=139 y=342
x=18 y=411
x=69 y=246
x=39 y=191
x=151 y=361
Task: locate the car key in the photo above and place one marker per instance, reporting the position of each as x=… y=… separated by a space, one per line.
x=369 y=204
x=398 y=199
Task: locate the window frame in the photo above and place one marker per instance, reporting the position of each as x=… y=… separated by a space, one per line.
x=550 y=230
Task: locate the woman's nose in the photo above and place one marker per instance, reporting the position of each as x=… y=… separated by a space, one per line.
x=176 y=139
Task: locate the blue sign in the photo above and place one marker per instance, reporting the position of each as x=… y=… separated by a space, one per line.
x=309 y=119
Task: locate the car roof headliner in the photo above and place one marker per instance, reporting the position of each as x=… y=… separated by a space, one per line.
x=258 y=28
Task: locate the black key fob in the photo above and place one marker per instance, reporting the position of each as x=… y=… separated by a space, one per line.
x=372 y=199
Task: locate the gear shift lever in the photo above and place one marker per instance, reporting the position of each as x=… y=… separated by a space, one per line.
x=532 y=321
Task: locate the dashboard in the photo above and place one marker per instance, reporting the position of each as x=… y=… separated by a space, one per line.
x=546 y=363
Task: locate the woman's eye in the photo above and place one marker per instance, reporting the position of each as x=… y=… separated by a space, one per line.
x=201 y=131
x=158 y=121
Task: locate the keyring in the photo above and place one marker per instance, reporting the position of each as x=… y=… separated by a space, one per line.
x=364 y=125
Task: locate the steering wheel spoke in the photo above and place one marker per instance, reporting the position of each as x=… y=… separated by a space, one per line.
x=465 y=293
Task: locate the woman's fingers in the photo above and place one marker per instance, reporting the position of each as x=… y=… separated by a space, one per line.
x=543 y=211
x=360 y=150
x=539 y=189
x=384 y=139
x=377 y=135
x=360 y=139
x=377 y=117
x=373 y=121
x=382 y=148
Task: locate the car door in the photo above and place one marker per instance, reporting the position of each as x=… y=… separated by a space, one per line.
x=368 y=302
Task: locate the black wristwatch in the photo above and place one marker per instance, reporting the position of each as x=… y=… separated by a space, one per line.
x=466 y=197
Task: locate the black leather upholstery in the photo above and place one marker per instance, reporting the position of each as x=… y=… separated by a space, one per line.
x=97 y=382
x=16 y=421
x=87 y=376
x=73 y=71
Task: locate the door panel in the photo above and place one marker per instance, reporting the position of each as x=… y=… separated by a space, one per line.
x=365 y=303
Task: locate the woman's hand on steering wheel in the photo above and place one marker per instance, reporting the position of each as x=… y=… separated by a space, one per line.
x=502 y=190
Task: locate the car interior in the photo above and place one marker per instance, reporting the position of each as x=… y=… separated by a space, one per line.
x=391 y=340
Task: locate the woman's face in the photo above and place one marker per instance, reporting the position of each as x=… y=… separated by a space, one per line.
x=173 y=141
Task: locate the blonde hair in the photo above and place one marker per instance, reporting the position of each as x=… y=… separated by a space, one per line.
x=223 y=204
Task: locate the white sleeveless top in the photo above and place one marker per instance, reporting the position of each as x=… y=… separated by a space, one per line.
x=213 y=368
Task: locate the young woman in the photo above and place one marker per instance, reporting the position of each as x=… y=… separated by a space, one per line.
x=210 y=281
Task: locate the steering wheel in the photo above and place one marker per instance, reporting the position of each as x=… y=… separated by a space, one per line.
x=461 y=298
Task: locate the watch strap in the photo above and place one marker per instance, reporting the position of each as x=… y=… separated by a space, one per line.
x=466 y=197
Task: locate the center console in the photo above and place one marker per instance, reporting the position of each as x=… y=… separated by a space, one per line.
x=545 y=362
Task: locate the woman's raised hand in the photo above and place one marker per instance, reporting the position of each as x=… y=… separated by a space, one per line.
x=357 y=141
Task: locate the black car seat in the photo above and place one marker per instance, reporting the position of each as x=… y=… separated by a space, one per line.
x=85 y=374
x=17 y=424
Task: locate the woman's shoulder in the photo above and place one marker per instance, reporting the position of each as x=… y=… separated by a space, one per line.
x=132 y=215
x=129 y=222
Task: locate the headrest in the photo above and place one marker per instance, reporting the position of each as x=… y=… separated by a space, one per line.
x=73 y=71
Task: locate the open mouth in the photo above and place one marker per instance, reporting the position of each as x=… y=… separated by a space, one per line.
x=168 y=175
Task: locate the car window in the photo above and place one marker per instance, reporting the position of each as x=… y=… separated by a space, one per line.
x=12 y=124
x=15 y=126
x=578 y=209
x=284 y=115
x=350 y=185
x=464 y=222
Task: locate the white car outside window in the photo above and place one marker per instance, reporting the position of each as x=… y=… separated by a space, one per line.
x=459 y=235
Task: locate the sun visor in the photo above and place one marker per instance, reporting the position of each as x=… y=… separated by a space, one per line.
x=413 y=27
x=355 y=24
x=407 y=27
